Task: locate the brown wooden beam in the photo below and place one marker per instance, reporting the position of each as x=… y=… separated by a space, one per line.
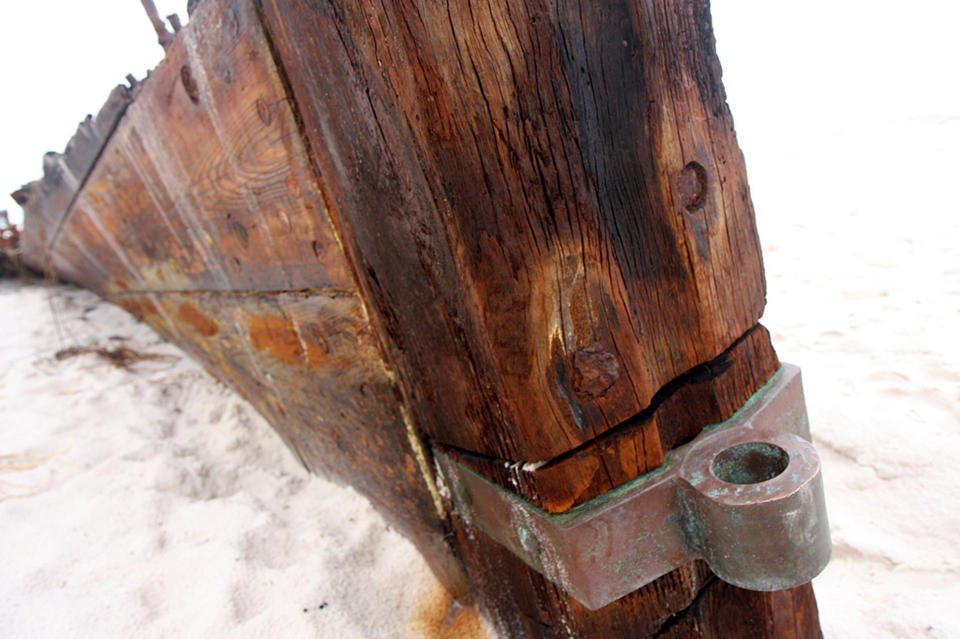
x=547 y=214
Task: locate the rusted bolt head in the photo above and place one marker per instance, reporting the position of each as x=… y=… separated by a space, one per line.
x=594 y=370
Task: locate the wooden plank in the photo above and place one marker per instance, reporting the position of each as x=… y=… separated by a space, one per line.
x=45 y=202
x=206 y=184
x=203 y=218
x=556 y=275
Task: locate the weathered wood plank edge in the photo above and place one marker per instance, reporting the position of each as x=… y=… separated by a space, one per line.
x=129 y=95
x=449 y=572
x=77 y=161
x=417 y=437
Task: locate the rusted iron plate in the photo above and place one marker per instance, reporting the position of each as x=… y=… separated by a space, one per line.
x=746 y=495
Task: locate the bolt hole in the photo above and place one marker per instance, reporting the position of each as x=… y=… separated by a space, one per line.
x=750 y=463
x=189 y=84
x=692 y=186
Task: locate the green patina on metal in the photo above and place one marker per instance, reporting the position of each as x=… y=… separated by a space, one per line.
x=699 y=503
x=762 y=394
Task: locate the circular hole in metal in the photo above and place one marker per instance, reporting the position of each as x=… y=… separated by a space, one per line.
x=750 y=463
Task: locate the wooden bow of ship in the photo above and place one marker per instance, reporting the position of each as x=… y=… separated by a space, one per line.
x=519 y=232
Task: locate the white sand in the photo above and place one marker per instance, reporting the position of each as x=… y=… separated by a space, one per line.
x=862 y=245
x=850 y=132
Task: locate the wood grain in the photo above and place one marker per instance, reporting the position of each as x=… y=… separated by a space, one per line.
x=206 y=185
x=722 y=611
x=46 y=201
x=578 y=235
x=707 y=394
x=554 y=275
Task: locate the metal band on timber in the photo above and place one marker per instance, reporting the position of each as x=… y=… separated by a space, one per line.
x=518 y=232
x=746 y=495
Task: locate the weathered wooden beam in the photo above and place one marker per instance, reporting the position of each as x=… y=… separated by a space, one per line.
x=202 y=216
x=548 y=216
x=45 y=202
x=534 y=162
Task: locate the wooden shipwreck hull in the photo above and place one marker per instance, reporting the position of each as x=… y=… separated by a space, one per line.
x=194 y=206
x=514 y=231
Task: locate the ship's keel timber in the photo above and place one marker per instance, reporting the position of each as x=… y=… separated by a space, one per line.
x=517 y=232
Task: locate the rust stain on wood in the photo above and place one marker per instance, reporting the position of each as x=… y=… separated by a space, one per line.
x=200 y=322
x=140 y=308
x=440 y=616
x=278 y=336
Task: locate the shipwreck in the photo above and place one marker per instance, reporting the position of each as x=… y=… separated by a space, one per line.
x=493 y=264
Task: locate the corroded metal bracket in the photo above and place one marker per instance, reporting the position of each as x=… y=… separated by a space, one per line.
x=746 y=495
